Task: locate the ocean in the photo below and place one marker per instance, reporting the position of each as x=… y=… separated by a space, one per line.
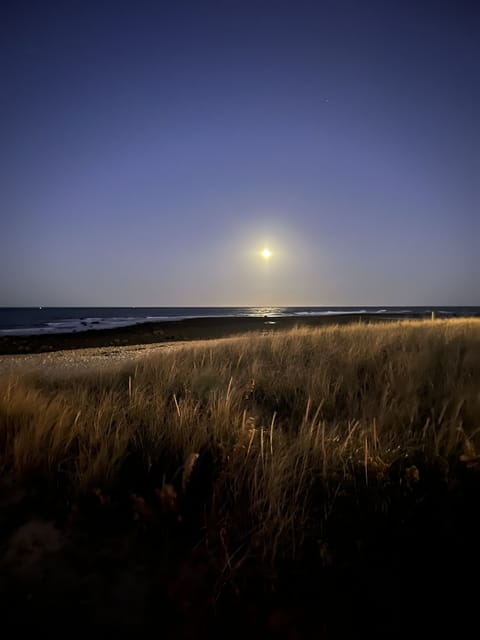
x=43 y=320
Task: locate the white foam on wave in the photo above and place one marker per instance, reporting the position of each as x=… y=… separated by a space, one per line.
x=29 y=331
x=92 y=324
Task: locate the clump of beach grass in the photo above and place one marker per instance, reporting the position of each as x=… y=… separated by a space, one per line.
x=274 y=427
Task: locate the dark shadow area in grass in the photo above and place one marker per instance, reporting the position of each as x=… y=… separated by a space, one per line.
x=391 y=558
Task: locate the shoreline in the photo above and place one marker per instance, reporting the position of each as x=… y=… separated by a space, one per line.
x=149 y=333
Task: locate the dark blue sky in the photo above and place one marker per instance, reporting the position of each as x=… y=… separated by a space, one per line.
x=150 y=150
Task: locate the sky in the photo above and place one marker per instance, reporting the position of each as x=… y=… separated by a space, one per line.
x=150 y=150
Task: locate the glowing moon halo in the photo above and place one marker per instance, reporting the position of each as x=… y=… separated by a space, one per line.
x=266 y=253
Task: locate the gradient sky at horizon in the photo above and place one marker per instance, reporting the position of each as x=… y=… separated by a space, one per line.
x=150 y=150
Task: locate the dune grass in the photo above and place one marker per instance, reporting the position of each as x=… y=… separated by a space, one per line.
x=260 y=433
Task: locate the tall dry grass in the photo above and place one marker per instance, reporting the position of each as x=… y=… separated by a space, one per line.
x=264 y=422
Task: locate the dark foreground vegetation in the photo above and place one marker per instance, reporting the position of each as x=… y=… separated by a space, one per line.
x=318 y=483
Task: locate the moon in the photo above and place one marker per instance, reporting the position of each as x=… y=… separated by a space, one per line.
x=266 y=253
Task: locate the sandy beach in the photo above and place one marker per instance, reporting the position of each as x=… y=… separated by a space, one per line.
x=113 y=342
x=111 y=348
x=77 y=360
